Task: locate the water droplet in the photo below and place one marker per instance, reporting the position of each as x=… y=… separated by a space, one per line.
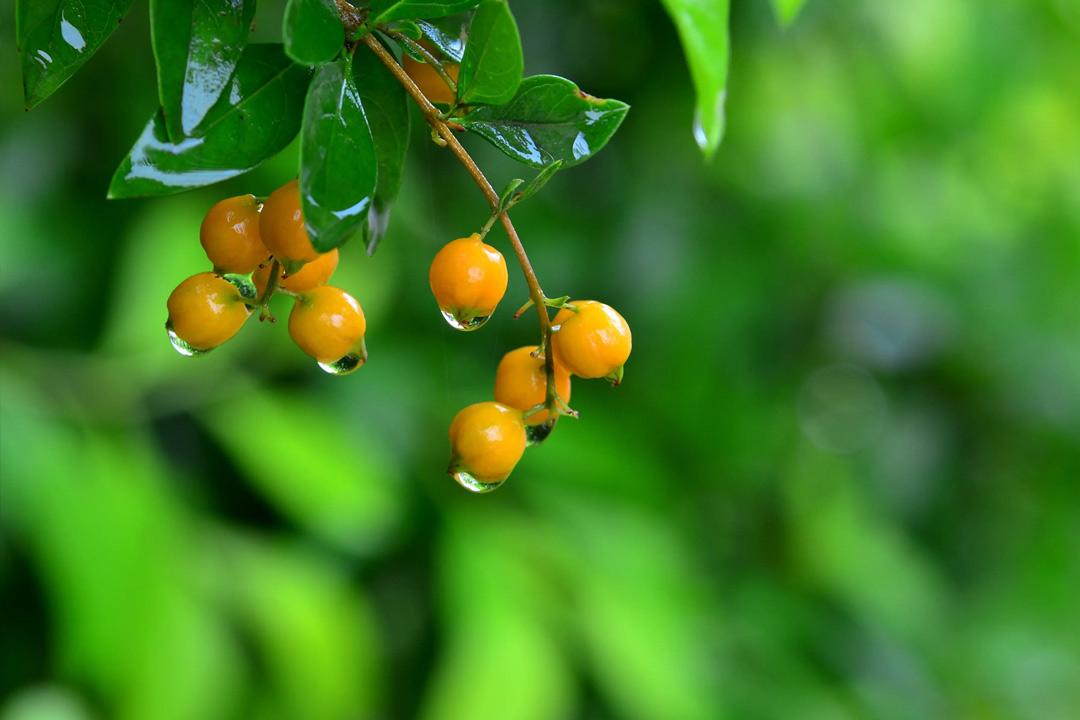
x=536 y=434
x=346 y=365
x=180 y=345
x=466 y=480
x=465 y=325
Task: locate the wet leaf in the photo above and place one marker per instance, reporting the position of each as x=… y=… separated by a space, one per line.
x=337 y=158
x=55 y=38
x=387 y=109
x=703 y=30
x=383 y=11
x=312 y=31
x=492 y=65
x=548 y=119
x=447 y=34
x=256 y=118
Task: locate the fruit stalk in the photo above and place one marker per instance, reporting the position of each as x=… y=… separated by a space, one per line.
x=536 y=293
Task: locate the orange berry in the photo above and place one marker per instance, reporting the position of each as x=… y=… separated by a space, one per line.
x=521 y=382
x=428 y=80
x=327 y=323
x=230 y=235
x=205 y=311
x=487 y=439
x=468 y=278
x=593 y=342
x=281 y=225
x=311 y=275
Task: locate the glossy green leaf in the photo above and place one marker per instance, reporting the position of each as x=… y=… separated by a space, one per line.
x=255 y=118
x=387 y=109
x=383 y=11
x=197 y=46
x=703 y=30
x=55 y=38
x=312 y=31
x=787 y=10
x=518 y=190
x=492 y=66
x=337 y=158
x=448 y=34
x=548 y=119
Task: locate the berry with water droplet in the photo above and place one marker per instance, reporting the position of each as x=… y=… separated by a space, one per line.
x=521 y=382
x=428 y=80
x=329 y=325
x=313 y=274
x=593 y=342
x=230 y=235
x=204 y=311
x=468 y=278
x=281 y=225
x=487 y=440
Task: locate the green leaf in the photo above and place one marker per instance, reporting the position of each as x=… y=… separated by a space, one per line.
x=312 y=31
x=506 y=197
x=257 y=117
x=492 y=66
x=337 y=158
x=703 y=30
x=548 y=119
x=55 y=38
x=518 y=190
x=448 y=34
x=197 y=46
x=787 y=10
x=387 y=109
x=383 y=11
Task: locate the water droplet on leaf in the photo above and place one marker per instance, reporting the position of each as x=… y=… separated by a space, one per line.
x=180 y=345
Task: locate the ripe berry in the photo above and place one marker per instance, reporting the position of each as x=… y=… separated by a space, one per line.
x=428 y=80
x=468 y=278
x=592 y=342
x=205 y=311
x=311 y=275
x=230 y=235
x=328 y=324
x=521 y=382
x=487 y=439
x=281 y=225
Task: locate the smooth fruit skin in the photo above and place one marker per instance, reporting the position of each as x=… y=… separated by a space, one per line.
x=327 y=323
x=281 y=225
x=206 y=310
x=521 y=382
x=594 y=342
x=313 y=274
x=487 y=440
x=429 y=82
x=230 y=235
x=468 y=277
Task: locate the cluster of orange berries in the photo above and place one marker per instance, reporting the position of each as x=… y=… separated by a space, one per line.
x=249 y=243
x=246 y=241
x=588 y=339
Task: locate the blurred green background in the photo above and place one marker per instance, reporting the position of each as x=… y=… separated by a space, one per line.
x=840 y=480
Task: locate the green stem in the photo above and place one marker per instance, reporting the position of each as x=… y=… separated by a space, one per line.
x=536 y=293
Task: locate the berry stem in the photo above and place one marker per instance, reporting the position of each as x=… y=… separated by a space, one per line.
x=536 y=293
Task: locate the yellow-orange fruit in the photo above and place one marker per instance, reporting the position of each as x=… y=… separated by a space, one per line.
x=313 y=274
x=327 y=323
x=468 y=278
x=521 y=382
x=230 y=235
x=281 y=225
x=487 y=439
x=428 y=80
x=593 y=342
x=206 y=310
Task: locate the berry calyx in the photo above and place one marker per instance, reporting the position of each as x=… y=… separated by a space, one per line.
x=230 y=235
x=281 y=225
x=312 y=275
x=328 y=324
x=521 y=382
x=593 y=342
x=428 y=80
x=204 y=311
x=468 y=278
x=487 y=440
